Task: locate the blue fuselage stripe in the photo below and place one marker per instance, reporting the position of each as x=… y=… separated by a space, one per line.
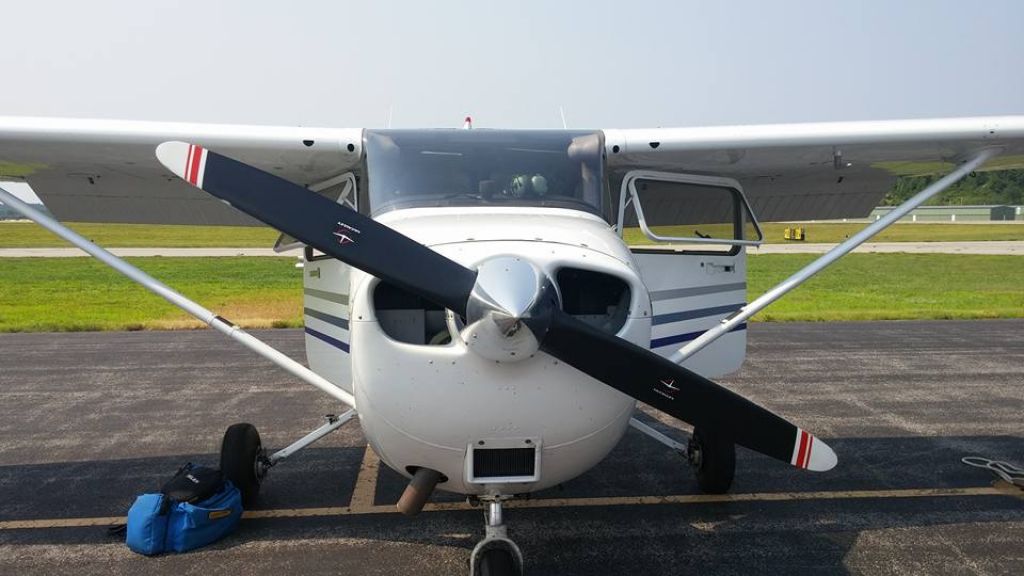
x=334 y=320
x=657 y=320
x=324 y=337
x=693 y=314
x=668 y=340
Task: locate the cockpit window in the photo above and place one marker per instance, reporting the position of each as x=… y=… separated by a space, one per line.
x=430 y=168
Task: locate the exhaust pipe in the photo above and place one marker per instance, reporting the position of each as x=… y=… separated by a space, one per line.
x=418 y=491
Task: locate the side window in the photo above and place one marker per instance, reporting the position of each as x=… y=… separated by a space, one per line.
x=692 y=213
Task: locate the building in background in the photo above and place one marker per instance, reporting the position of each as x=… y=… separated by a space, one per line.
x=956 y=214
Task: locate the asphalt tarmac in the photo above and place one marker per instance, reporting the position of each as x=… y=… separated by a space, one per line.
x=88 y=420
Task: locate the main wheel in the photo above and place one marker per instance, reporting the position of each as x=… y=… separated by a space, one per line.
x=713 y=457
x=239 y=460
x=498 y=562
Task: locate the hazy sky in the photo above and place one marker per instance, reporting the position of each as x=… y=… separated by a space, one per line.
x=624 y=63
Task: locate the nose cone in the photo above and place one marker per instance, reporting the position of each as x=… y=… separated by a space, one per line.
x=509 y=310
x=508 y=286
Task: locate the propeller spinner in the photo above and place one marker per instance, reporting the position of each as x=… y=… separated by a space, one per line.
x=509 y=310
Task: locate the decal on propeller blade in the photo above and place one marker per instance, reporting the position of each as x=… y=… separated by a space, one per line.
x=802 y=449
x=670 y=385
x=342 y=233
x=195 y=165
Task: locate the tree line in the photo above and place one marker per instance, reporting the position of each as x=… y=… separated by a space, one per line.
x=980 y=188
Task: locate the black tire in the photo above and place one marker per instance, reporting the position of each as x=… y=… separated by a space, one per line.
x=239 y=453
x=716 y=461
x=498 y=562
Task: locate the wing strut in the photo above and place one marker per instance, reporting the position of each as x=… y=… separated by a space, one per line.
x=743 y=314
x=167 y=293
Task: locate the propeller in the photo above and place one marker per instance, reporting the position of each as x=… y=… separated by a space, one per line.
x=496 y=294
x=319 y=222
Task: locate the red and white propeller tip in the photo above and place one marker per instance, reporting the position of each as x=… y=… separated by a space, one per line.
x=185 y=160
x=811 y=453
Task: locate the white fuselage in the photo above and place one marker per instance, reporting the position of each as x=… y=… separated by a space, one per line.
x=433 y=405
x=427 y=406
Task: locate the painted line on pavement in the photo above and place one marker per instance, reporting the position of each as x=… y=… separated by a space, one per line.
x=365 y=492
x=362 y=509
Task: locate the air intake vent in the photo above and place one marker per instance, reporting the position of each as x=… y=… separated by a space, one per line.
x=504 y=462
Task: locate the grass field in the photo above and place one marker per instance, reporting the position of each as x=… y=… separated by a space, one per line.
x=29 y=235
x=893 y=287
x=82 y=294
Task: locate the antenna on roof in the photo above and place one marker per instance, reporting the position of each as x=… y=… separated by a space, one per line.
x=468 y=123
x=561 y=112
x=391 y=110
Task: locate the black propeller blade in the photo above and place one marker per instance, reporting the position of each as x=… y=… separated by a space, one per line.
x=681 y=393
x=378 y=250
x=328 y=226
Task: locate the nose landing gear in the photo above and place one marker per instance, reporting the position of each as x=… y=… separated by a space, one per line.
x=496 y=554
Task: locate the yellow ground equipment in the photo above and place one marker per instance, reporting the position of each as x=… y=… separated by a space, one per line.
x=794 y=234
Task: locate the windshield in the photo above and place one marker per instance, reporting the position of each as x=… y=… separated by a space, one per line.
x=429 y=168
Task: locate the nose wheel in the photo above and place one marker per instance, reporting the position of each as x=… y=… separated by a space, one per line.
x=496 y=554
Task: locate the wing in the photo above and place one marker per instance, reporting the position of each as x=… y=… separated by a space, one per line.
x=107 y=171
x=813 y=171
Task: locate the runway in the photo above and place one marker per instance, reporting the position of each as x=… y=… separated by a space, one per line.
x=87 y=420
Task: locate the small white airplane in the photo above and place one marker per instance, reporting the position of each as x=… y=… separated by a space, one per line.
x=468 y=293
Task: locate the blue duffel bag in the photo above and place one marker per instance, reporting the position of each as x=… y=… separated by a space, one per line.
x=197 y=507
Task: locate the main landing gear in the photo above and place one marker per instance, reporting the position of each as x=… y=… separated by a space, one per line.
x=496 y=554
x=245 y=462
x=713 y=458
x=711 y=454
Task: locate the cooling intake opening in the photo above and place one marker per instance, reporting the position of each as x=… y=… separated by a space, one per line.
x=407 y=318
x=599 y=299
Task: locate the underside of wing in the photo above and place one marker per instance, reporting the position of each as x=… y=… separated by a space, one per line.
x=812 y=171
x=107 y=171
